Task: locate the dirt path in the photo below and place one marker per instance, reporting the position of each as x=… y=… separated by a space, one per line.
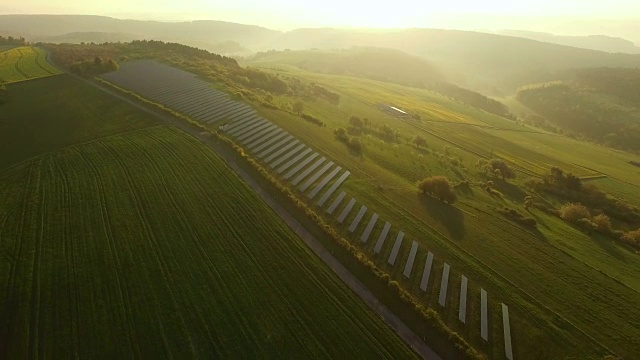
x=416 y=343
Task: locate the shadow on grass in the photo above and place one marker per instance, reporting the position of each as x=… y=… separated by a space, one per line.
x=511 y=191
x=607 y=244
x=449 y=216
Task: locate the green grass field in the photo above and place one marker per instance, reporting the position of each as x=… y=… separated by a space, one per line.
x=141 y=242
x=564 y=287
x=24 y=63
x=56 y=112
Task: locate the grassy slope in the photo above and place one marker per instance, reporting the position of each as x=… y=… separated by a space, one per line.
x=24 y=63
x=598 y=278
x=35 y=131
x=135 y=243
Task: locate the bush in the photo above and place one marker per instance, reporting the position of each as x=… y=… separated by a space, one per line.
x=587 y=224
x=573 y=212
x=354 y=144
x=341 y=134
x=500 y=169
x=419 y=141
x=312 y=119
x=632 y=238
x=356 y=122
x=439 y=188
x=602 y=223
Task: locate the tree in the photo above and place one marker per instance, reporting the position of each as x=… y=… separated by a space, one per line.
x=388 y=132
x=341 y=134
x=366 y=122
x=632 y=238
x=419 y=141
x=354 y=144
x=439 y=188
x=356 y=122
x=603 y=223
x=528 y=202
x=298 y=107
x=481 y=164
x=501 y=169
x=573 y=212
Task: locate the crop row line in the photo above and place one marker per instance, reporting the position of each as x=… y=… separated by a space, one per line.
x=140 y=205
x=38 y=59
x=16 y=65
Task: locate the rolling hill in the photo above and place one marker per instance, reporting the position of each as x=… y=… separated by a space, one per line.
x=489 y=63
x=53 y=28
x=591 y=42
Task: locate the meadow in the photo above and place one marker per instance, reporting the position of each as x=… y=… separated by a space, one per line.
x=29 y=130
x=24 y=63
x=568 y=290
x=137 y=240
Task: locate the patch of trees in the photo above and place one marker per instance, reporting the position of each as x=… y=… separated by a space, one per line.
x=474 y=99
x=10 y=40
x=496 y=167
x=438 y=187
x=581 y=216
x=94 y=67
x=590 y=113
x=258 y=79
x=321 y=91
x=183 y=50
x=353 y=143
x=569 y=187
x=299 y=87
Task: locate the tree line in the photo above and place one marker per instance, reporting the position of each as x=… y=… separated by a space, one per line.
x=10 y=40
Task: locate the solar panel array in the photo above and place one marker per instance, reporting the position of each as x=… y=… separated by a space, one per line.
x=180 y=91
x=289 y=157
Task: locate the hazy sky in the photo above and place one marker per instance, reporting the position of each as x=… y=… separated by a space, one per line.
x=288 y=14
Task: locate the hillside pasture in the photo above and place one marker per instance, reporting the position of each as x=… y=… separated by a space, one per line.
x=24 y=63
x=506 y=259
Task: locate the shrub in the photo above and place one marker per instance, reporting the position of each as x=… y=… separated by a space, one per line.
x=587 y=224
x=356 y=122
x=298 y=107
x=632 y=238
x=312 y=119
x=500 y=169
x=341 y=134
x=603 y=223
x=438 y=187
x=572 y=212
x=354 y=144
x=419 y=141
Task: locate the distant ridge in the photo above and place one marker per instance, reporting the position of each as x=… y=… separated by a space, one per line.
x=490 y=63
x=591 y=42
